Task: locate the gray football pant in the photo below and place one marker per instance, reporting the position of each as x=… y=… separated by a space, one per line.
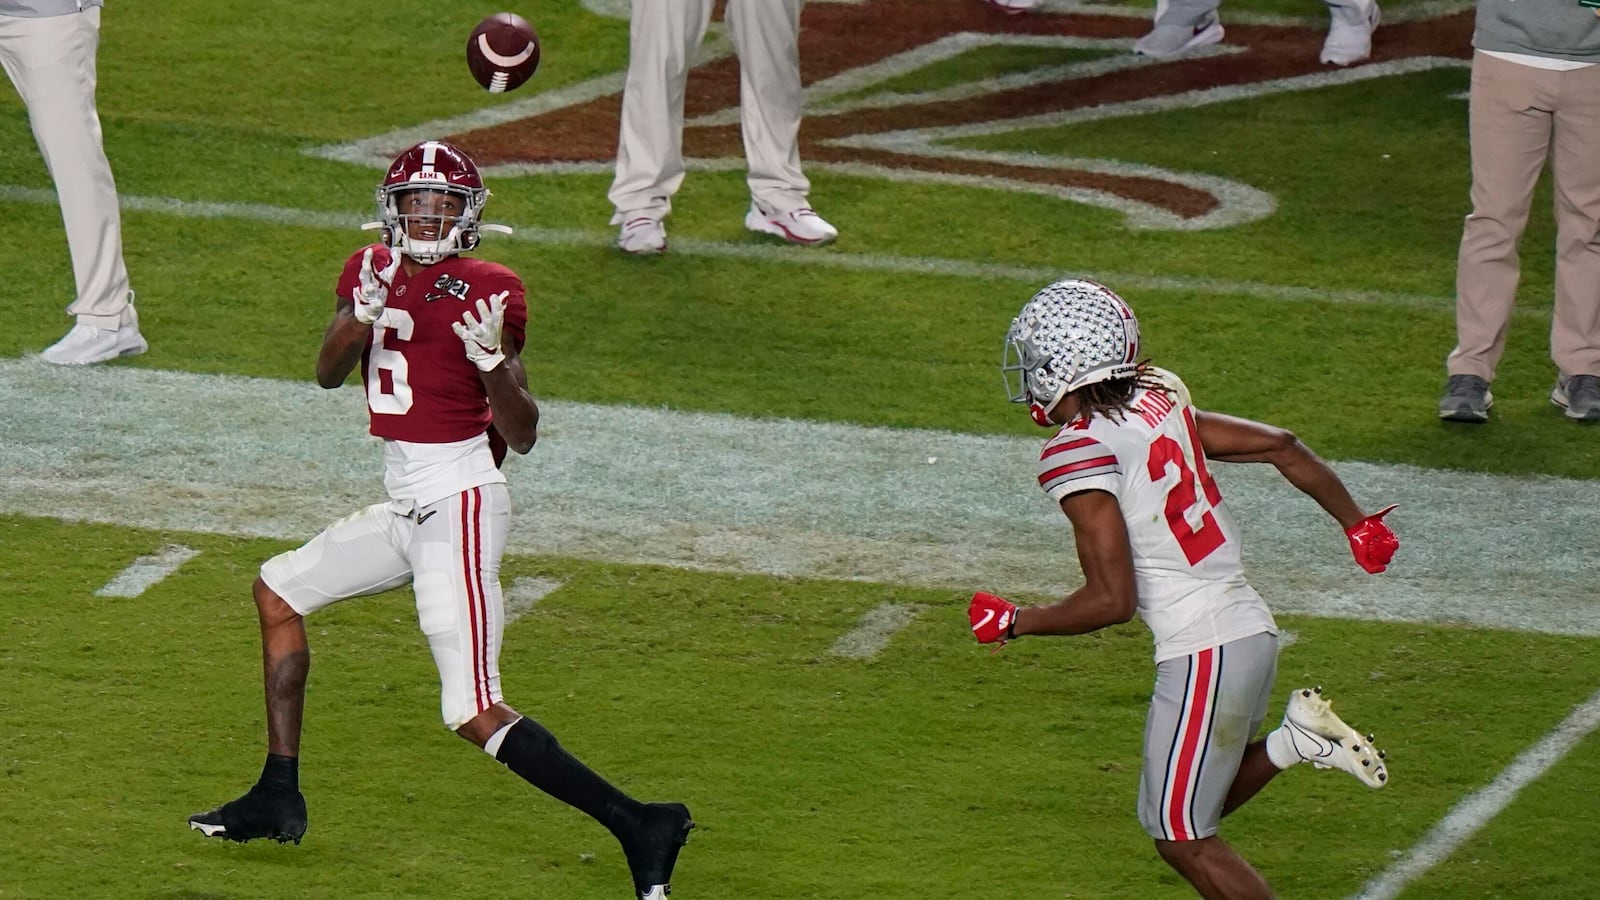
x=1203 y=713
x=663 y=38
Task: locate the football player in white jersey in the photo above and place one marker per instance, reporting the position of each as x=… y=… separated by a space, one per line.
x=1128 y=466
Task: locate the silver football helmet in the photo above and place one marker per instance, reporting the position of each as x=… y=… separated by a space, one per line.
x=1072 y=333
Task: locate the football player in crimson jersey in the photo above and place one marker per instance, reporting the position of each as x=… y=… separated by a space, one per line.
x=438 y=338
x=1128 y=466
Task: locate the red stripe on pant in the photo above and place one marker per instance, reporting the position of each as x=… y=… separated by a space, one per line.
x=1185 y=773
x=468 y=538
x=483 y=599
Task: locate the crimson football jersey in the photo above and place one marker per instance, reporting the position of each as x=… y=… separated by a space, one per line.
x=420 y=385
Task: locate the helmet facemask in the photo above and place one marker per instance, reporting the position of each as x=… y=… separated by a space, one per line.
x=398 y=204
x=1071 y=334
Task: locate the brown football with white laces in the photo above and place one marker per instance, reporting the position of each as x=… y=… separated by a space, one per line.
x=503 y=52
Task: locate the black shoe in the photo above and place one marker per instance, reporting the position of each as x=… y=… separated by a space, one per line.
x=260 y=813
x=652 y=849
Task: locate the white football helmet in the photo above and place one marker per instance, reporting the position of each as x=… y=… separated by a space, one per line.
x=1072 y=333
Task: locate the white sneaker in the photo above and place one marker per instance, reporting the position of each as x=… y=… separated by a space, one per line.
x=86 y=345
x=1350 y=27
x=642 y=236
x=1324 y=740
x=801 y=226
x=1011 y=7
x=1167 y=40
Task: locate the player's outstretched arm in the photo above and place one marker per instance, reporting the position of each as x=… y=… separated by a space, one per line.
x=1109 y=595
x=1231 y=439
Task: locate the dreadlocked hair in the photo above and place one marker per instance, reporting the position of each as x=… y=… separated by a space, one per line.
x=1110 y=399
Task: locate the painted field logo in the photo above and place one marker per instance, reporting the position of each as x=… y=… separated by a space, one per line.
x=882 y=102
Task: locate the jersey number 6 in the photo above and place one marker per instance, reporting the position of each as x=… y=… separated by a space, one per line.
x=397 y=400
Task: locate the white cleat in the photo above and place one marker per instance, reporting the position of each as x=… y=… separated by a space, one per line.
x=642 y=236
x=86 y=345
x=1350 y=27
x=1167 y=40
x=800 y=226
x=1324 y=740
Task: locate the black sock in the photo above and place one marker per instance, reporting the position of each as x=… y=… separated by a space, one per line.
x=532 y=752
x=281 y=774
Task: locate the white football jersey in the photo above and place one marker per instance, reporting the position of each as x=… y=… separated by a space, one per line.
x=1192 y=590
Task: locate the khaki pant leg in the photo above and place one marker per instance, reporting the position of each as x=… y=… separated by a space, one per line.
x=1510 y=127
x=1575 y=326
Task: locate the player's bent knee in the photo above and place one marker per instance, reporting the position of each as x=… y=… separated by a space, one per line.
x=273 y=609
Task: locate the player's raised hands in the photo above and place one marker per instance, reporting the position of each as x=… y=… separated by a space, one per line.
x=378 y=267
x=1372 y=542
x=481 y=334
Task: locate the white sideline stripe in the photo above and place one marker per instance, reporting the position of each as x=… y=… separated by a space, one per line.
x=147 y=571
x=525 y=592
x=1472 y=813
x=873 y=632
x=178 y=451
x=769 y=253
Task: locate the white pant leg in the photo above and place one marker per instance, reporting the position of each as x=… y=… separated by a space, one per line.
x=455 y=556
x=663 y=36
x=363 y=553
x=51 y=61
x=766 y=34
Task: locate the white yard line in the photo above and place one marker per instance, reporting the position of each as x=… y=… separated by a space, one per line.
x=525 y=592
x=1032 y=274
x=877 y=626
x=147 y=571
x=222 y=454
x=1474 y=812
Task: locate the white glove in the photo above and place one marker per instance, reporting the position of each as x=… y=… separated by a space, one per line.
x=481 y=335
x=373 y=291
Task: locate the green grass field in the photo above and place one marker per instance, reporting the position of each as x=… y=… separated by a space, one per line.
x=930 y=769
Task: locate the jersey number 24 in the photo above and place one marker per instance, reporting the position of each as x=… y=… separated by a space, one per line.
x=1182 y=498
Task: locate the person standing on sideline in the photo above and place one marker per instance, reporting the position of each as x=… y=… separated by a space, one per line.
x=1535 y=95
x=663 y=36
x=438 y=337
x=1182 y=26
x=1127 y=465
x=48 y=49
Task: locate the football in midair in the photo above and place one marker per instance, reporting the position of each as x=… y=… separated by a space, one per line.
x=503 y=52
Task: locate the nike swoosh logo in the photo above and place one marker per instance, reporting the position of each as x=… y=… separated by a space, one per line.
x=988 y=615
x=504 y=62
x=426 y=516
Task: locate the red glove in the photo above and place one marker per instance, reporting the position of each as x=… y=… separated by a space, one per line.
x=992 y=618
x=1372 y=542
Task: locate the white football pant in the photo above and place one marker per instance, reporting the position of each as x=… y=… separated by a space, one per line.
x=450 y=553
x=663 y=37
x=51 y=61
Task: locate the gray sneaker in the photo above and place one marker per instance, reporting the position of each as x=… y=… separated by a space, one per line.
x=1579 y=395
x=1467 y=399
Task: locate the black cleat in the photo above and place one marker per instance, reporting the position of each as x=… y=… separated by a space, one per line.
x=652 y=849
x=259 y=813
